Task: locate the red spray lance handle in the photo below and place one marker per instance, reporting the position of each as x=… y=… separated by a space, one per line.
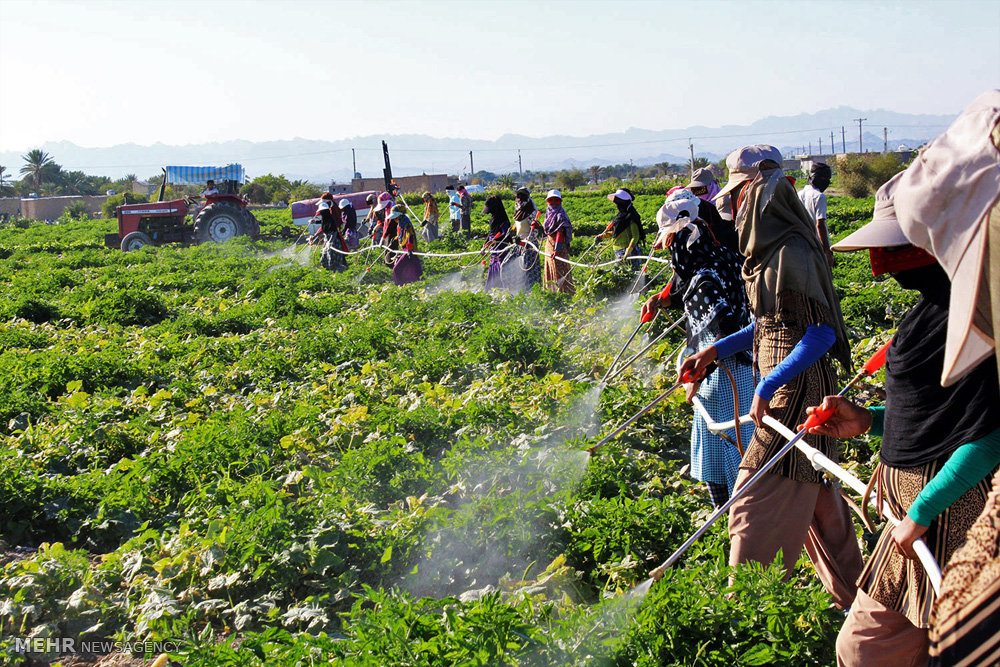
x=690 y=376
x=877 y=360
x=818 y=417
x=648 y=316
x=820 y=414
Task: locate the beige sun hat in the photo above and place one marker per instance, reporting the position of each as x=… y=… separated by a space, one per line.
x=744 y=164
x=883 y=231
x=943 y=202
x=701 y=178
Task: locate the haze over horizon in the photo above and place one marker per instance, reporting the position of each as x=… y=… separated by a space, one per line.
x=108 y=73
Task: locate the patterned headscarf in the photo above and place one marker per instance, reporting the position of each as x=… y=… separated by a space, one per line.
x=678 y=212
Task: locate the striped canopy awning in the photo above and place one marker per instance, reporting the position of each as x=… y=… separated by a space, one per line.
x=198 y=175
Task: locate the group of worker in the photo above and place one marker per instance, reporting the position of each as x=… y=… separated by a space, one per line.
x=752 y=273
x=767 y=311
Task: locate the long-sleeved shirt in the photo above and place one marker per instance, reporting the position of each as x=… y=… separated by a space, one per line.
x=629 y=236
x=818 y=339
x=454 y=206
x=966 y=467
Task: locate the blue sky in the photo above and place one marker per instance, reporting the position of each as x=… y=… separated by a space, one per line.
x=181 y=72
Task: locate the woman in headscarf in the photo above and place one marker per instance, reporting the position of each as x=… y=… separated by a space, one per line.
x=558 y=235
x=430 y=222
x=625 y=230
x=931 y=435
x=332 y=239
x=501 y=266
x=349 y=220
x=947 y=204
x=704 y=186
x=798 y=328
x=525 y=213
x=390 y=236
x=407 y=267
x=708 y=286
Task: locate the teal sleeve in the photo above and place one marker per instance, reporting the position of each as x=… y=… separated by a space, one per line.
x=965 y=468
x=878 y=420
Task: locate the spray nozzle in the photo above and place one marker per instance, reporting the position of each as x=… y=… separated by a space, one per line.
x=657 y=573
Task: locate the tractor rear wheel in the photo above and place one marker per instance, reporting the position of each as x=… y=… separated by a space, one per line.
x=220 y=222
x=135 y=240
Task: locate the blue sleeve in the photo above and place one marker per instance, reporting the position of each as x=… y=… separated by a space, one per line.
x=814 y=344
x=737 y=342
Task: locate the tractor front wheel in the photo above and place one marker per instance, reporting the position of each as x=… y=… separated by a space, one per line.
x=135 y=240
x=220 y=222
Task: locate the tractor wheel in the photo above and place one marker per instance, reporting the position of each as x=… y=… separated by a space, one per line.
x=135 y=240
x=219 y=222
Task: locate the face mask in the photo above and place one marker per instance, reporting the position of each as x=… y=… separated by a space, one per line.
x=931 y=280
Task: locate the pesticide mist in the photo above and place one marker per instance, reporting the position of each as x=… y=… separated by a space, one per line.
x=493 y=536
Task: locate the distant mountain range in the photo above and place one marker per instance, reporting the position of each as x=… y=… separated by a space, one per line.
x=322 y=161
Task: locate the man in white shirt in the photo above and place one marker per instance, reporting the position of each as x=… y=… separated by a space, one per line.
x=814 y=200
x=210 y=189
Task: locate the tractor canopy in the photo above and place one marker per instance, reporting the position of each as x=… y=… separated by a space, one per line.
x=199 y=175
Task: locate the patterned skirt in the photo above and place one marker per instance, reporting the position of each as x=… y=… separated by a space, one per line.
x=965 y=622
x=429 y=232
x=352 y=239
x=558 y=275
x=330 y=258
x=896 y=581
x=528 y=269
x=499 y=274
x=407 y=269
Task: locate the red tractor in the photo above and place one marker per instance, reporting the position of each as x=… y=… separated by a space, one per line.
x=223 y=216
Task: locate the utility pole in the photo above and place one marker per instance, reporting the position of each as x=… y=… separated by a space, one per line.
x=520 y=170
x=821 y=145
x=354 y=161
x=843 y=140
x=860 y=145
x=885 y=140
x=833 y=146
x=472 y=169
x=691 y=147
x=810 y=148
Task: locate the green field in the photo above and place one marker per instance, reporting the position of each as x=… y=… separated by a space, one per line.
x=232 y=449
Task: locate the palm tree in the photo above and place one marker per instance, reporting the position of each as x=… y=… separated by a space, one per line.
x=3 y=179
x=35 y=162
x=129 y=180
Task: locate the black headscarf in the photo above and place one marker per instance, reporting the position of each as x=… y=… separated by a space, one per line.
x=499 y=222
x=707 y=280
x=330 y=222
x=625 y=217
x=724 y=230
x=923 y=420
x=524 y=206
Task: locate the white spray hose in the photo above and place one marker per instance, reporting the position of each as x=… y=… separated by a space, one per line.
x=821 y=462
